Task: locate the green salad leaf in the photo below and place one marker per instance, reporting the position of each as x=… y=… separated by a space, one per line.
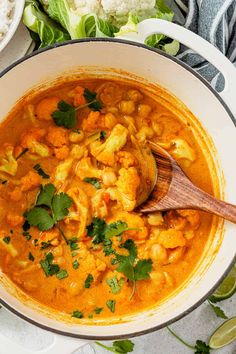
x=48 y=31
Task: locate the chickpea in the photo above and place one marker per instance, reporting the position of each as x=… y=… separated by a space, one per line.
x=109 y=177
x=112 y=109
x=58 y=251
x=158 y=128
x=155 y=233
x=158 y=253
x=169 y=279
x=76 y=137
x=30 y=285
x=145 y=132
x=189 y=234
x=175 y=254
x=144 y=110
x=155 y=219
x=135 y=95
x=127 y=107
x=75 y=288
x=158 y=278
x=110 y=120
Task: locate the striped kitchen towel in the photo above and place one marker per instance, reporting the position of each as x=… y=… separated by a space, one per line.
x=214 y=20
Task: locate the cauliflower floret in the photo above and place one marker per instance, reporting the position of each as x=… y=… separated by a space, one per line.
x=86 y=169
x=126 y=159
x=105 y=152
x=8 y=163
x=79 y=96
x=180 y=149
x=93 y=122
x=31 y=140
x=62 y=171
x=57 y=137
x=62 y=152
x=171 y=238
x=46 y=107
x=99 y=205
x=192 y=217
x=81 y=213
x=30 y=181
x=125 y=192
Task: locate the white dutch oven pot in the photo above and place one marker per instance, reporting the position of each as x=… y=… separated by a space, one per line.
x=214 y=111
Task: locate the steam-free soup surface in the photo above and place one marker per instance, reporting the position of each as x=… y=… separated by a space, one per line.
x=73 y=166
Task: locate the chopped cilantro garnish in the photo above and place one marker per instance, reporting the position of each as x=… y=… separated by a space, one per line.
x=77 y=314
x=103 y=135
x=91 y=98
x=27 y=235
x=26 y=226
x=119 y=346
x=45 y=245
x=98 y=310
x=88 y=281
x=96 y=230
x=62 y=274
x=22 y=153
x=115 y=284
x=116 y=228
x=94 y=181
x=73 y=243
x=7 y=239
x=31 y=257
x=111 y=305
x=40 y=171
x=75 y=264
x=65 y=115
x=74 y=253
x=36 y=241
x=48 y=267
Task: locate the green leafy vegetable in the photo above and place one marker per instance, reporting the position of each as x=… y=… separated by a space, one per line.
x=48 y=267
x=116 y=228
x=94 y=181
x=111 y=305
x=75 y=264
x=115 y=284
x=62 y=274
x=103 y=135
x=41 y=172
x=88 y=281
x=31 y=257
x=47 y=30
x=65 y=115
x=119 y=346
x=98 y=310
x=45 y=245
x=22 y=153
x=218 y=311
x=96 y=230
x=49 y=209
x=77 y=314
x=91 y=98
x=73 y=243
x=7 y=239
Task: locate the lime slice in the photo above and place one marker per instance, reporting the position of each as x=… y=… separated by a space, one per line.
x=224 y=335
x=227 y=288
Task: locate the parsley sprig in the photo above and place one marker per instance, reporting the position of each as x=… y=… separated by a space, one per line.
x=119 y=346
x=49 y=209
x=66 y=114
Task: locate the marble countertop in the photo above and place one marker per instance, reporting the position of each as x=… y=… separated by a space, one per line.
x=199 y=324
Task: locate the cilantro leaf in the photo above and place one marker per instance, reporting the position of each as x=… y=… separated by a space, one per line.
x=75 y=264
x=115 y=284
x=73 y=243
x=60 y=204
x=88 y=281
x=98 y=310
x=46 y=194
x=7 y=239
x=111 y=305
x=107 y=247
x=116 y=228
x=131 y=247
x=77 y=314
x=119 y=346
x=39 y=217
x=96 y=230
x=65 y=115
x=48 y=267
x=31 y=257
x=142 y=269
x=62 y=274
x=218 y=311
x=201 y=347
x=40 y=171
x=93 y=181
x=91 y=98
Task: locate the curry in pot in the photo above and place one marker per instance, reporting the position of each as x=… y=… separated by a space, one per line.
x=73 y=167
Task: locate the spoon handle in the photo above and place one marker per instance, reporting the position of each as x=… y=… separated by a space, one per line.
x=204 y=201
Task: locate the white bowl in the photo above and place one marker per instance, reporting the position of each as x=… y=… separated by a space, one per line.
x=17 y=14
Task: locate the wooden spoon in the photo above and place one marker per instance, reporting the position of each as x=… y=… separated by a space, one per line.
x=174 y=190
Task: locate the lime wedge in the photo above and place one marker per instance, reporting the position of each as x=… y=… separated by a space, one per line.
x=227 y=288
x=224 y=335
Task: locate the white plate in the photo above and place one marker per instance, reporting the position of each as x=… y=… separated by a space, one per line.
x=19 y=46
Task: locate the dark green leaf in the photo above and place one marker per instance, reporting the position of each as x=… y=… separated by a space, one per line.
x=7 y=239
x=115 y=284
x=31 y=257
x=60 y=204
x=62 y=274
x=27 y=235
x=107 y=247
x=45 y=245
x=22 y=153
x=26 y=226
x=202 y=348
x=77 y=314
x=91 y=97
x=116 y=228
x=98 y=310
x=143 y=269
x=40 y=171
x=103 y=135
x=39 y=217
x=111 y=305
x=73 y=243
x=218 y=311
x=48 y=267
x=94 y=181
x=65 y=115
x=46 y=194
x=96 y=230
x=75 y=264
x=88 y=281
x=123 y=346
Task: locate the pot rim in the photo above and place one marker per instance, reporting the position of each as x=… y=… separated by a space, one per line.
x=228 y=110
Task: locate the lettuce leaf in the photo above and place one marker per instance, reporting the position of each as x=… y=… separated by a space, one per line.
x=48 y=31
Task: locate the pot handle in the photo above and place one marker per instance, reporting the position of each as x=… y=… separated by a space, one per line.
x=60 y=344
x=154 y=26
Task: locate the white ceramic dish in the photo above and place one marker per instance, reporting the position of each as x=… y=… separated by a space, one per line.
x=17 y=14
x=215 y=113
